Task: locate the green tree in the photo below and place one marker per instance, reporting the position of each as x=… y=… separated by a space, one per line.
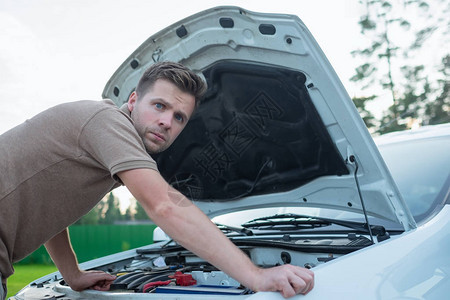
x=140 y=212
x=112 y=212
x=410 y=104
x=389 y=60
x=366 y=115
x=107 y=211
x=91 y=218
x=438 y=111
x=378 y=24
x=129 y=215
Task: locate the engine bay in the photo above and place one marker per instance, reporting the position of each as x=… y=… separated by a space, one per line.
x=168 y=271
x=171 y=269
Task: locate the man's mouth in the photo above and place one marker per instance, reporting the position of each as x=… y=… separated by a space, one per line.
x=159 y=136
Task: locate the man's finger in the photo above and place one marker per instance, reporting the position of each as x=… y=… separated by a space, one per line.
x=288 y=290
x=103 y=285
x=308 y=277
x=299 y=285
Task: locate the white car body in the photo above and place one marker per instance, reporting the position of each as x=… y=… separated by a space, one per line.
x=413 y=265
x=263 y=71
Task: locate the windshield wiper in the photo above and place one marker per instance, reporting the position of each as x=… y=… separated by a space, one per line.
x=286 y=222
x=241 y=230
x=296 y=221
x=222 y=227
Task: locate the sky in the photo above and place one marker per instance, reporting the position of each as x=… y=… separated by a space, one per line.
x=56 y=51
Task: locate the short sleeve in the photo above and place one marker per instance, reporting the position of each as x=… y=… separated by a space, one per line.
x=110 y=138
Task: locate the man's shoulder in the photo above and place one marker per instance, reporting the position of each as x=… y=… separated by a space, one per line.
x=85 y=110
x=89 y=105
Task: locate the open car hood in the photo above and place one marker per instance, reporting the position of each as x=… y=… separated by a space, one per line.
x=276 y=127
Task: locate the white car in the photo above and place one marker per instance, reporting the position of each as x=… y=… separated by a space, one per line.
x=278 y=154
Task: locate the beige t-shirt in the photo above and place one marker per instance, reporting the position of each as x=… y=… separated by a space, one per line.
x=57 y=166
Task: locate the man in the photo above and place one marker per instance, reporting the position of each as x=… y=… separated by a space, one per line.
x=59 y=164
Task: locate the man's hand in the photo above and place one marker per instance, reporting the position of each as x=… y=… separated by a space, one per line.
x=62 y=254
x=96 y=280
x=289 y=280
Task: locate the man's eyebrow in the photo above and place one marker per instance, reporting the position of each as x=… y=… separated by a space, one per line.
x=160 y=100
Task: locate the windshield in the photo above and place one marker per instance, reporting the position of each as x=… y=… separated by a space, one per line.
x=421 y=171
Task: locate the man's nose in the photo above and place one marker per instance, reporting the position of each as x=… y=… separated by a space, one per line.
x=165 y=120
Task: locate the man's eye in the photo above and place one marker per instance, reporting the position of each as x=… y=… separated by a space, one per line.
x=159 y=106
x=179 y=118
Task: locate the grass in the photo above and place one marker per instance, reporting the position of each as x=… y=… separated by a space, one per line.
x=24 y=274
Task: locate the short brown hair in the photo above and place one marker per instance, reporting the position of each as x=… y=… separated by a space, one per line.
x=183 y=78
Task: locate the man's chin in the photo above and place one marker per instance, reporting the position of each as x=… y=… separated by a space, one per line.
x=155 y=149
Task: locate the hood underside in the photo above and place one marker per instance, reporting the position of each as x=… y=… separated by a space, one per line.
x=276 y=127
x=244 y=141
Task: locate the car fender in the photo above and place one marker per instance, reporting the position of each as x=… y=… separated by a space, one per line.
x=403 y=267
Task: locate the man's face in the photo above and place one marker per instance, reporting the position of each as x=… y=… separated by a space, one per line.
x=160 y=114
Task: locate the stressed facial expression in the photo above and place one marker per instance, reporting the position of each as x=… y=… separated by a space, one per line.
x=160 y=114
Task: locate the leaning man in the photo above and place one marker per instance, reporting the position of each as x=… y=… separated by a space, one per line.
x=56 y=166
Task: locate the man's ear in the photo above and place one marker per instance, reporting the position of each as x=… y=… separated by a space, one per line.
x=132 y=101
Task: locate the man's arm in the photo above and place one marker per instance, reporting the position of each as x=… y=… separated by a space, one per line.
x=192 y=229
x=61 y=252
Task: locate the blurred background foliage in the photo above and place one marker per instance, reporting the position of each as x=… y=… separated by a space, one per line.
x=405 y=61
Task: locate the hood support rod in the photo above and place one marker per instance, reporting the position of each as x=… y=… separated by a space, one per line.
x=353 y=160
